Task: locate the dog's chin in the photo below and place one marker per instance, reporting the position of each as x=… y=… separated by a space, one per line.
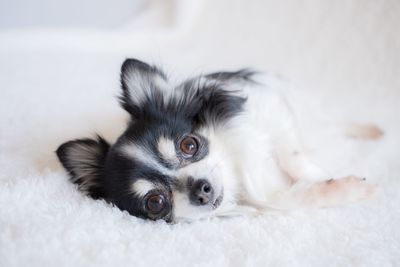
x=218 y=200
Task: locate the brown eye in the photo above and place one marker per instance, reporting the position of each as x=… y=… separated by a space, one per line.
x=155 y=204
x=189 y=146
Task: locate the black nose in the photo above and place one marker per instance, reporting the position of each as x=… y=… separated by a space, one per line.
x=201 y=192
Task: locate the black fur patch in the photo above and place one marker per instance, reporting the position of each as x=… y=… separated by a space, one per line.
x=210 y=103
x=242 y=74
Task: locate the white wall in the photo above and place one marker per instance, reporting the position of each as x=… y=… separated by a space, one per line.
x=66 y=13
x=353 y=44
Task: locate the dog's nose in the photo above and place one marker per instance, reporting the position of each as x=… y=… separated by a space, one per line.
x=201 y=192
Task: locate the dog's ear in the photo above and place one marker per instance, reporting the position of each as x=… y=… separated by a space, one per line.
x=222 y=95
x=84 y=160
x=219 y=105
x=242 y=75
x=140 y=83
x=215 y=98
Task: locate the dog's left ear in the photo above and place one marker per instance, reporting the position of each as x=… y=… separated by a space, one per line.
x=140 y=83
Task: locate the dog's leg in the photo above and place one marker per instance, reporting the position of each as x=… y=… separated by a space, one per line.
x=293 y=161
x=312 y=186
x=323 y=194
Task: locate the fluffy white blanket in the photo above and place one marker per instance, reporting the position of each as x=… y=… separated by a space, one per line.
x=60 y=84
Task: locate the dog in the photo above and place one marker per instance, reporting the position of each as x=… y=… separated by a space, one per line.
x=219 y=144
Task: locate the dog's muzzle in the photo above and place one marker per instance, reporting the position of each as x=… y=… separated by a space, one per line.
x=202 y=193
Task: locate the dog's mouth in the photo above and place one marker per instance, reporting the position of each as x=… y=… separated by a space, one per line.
x=218 y=200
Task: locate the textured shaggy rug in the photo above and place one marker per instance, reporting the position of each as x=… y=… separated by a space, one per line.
x=57 y=85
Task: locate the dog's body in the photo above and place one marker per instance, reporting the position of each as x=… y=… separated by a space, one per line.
x=214 y=145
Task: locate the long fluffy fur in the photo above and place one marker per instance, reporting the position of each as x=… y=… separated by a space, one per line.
x=247 y=155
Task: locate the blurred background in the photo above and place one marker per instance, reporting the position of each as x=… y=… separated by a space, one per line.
x=349 y=42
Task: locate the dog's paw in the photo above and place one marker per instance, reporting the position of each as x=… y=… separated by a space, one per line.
x=349 y=188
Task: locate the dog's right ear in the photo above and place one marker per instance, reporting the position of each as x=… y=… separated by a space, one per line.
x=140 y=83
x=84 y=160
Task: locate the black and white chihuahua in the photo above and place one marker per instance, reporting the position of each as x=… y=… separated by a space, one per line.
x=213 y=145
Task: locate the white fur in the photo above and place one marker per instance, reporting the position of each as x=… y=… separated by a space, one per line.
x=242 y=157
x=218 y=168
x=138 y=85
x=142 y=186
x=258 y=161
x=141 y=154
x=166 y=147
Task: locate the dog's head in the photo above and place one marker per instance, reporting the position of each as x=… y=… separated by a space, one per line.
x=175 y=160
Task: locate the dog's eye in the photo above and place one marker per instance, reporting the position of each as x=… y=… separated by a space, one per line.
x=189 y=146
x=155 y=203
